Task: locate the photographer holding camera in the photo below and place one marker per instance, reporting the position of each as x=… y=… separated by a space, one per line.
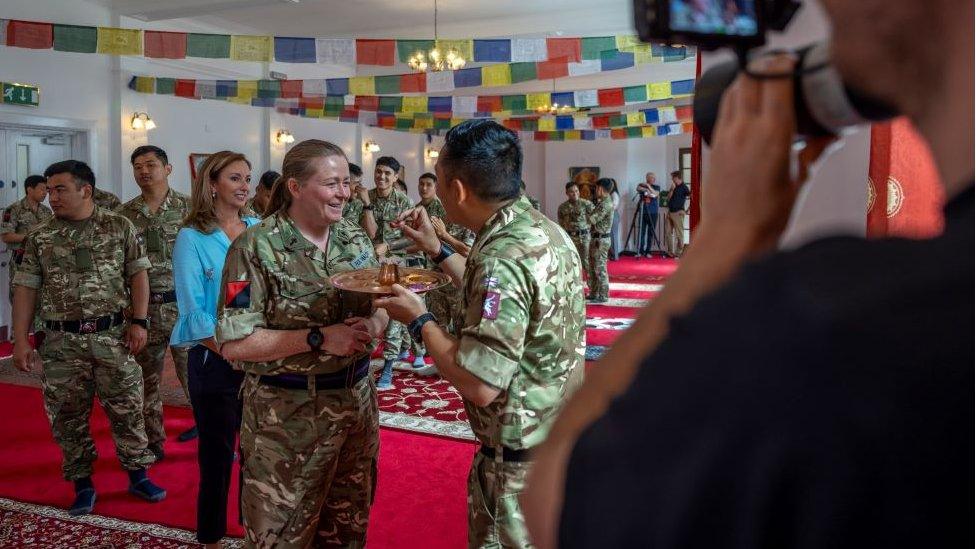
x=812 y=398
x=648 y=192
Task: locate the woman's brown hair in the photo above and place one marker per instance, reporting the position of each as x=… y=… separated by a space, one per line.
x=298 y=165
x=202 y=216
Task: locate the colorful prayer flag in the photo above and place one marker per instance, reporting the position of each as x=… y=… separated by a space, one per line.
x=529 y=49
x=496 y=75
x=375 y=52
x=440 y=81
x=362 y=85
x=388 y=84
x=210 y=46
x=415 y=103
x=492 y=51
x=612 y=97
x=294 y=50
x=250 y=48
x=546 y=70
x=164 y=45
x=115 y=41
x=341 y=51
x=523 y=72
x=535 y=101
x=593 y=47
x=467 y=78
x=75 y=38
x=406 y=48
x=413 y=83
x=27 y=34
x=565 y=49
x=464 y=47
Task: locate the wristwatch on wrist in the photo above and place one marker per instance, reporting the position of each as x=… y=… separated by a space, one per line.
x=416 y=327
x=144 y=322
x=315 y=339
x=446 y=252
x=368 y=207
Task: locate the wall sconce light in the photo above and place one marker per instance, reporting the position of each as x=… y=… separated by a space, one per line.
x=283 y=137
x=433 y=153
x=371 y=146
x=142 y=121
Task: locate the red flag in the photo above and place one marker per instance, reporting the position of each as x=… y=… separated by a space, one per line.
x=291 y=88
x=567 y=49
x=368 y=102
x=185 y=88
x=164 y=45
x=684 y=112
x=600 y=122
x=611 y=97
x=489 y=103
x=312 y=103
x=542 y=136
x=27 y=34
x=513 y=124
x=551 y=69
x=387 y=121
x=375 y=52
x=416 y=82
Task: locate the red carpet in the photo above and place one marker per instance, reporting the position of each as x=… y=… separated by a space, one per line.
x=420 y=500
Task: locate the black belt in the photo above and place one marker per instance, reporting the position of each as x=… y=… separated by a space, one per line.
x=343 y=379
x=162 y=297
x=584 y=232
x=18 y=256
x=508 y=454
x=601 y=235
x=86 y=325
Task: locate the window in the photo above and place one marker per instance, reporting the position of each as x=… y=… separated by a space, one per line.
x=684 y=164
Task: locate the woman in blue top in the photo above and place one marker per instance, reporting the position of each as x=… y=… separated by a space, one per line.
x=217 y=204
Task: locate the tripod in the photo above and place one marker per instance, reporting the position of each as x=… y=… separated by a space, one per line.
x=637 y=224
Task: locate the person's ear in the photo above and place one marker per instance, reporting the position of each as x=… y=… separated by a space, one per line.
x=293 y=186
x=459 y=190
x=169 y=169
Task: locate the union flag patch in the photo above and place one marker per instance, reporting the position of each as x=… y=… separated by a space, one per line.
x=238 y=295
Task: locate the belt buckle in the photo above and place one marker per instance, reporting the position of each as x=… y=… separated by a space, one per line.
x=88 y=327
x=156 y=298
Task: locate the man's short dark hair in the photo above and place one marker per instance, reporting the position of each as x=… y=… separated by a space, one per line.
x=355 y=170
x=485 y=155
x=571 y=184
x=80 y=171
x=389 y=162
x=34 y=180
x=268 y=179
x=428 y=175
x=149 y=149
x=676 y=174
x=605 y=183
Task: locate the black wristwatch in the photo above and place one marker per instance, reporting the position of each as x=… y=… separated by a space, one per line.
x=315 y=339
x=144 y=322
x=416 y=327
x=446 y=252
x=368 y=207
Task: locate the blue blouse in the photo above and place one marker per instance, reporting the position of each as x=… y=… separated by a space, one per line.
x=198 y=261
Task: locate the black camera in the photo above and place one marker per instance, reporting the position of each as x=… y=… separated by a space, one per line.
x=711 y=24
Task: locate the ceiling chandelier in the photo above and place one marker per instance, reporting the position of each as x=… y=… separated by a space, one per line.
x=436 y=59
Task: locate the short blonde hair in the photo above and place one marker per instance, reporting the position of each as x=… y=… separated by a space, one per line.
x=203 y=216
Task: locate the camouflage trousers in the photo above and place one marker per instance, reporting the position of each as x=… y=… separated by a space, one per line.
x=398 y=341
x=78 y=367
x=583 y=249
x=598 y=279
x=309 y=464
x=151 y=359
x=494 y=516
x=445 y=304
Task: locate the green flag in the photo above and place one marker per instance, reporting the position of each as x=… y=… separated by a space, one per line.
x=75 y=38
x=213 y=46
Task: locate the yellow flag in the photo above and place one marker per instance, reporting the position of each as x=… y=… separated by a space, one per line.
x=362 y=85
x=414 y=103
x=247 y=89
x=464 y=47
x=239 y=100
x=456 y=121
x=315 y=113
x=642 y=55
x=547 y=124
x=627 y=41
x=648 y=131
x=251 y=48
x=658 y=90
x=119 y=41
x=145 y=84
x=635 y=118
x=572 y=135
x=496 y=75
x=537 y=100
x=423 y=123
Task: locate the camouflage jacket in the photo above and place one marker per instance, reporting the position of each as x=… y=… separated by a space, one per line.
x=82 y=268
x=601 y=218
x=353 y=211
x=105 y=199
x=386 y=210
x=274 y=278
x=157 y=232
x=18 y=218
x=574 y=216
x=523 y=326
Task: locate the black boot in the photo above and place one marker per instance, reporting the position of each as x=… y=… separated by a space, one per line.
x=84 y=497
x=141 y=486
x=188 y=435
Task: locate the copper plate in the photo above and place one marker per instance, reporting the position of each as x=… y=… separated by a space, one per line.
x=367 y=280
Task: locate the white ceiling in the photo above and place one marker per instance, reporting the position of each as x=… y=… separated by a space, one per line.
x=392 y=18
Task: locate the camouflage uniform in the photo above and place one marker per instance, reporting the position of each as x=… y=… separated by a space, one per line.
x=19 y=218
x=157 y=231
x=601 y=218
x=81 y=270
x=574 y=217
x=309 y=455
x=105 y=199
x=534 y=202
x=353 y=212
x=445 y=303
x=250 y=210
x=386 y=210
x=523 y=333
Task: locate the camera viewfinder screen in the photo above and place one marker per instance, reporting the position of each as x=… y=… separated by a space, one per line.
x=723 y=17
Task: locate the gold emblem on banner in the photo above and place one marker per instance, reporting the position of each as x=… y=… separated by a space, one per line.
x=872 y=195
x=896 y=197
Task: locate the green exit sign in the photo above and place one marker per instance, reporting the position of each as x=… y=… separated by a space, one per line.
x=21 y=94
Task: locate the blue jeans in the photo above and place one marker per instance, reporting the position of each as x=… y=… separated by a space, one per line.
x=649 y=234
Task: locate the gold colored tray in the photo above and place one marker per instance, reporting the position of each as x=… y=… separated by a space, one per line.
x=411 y=278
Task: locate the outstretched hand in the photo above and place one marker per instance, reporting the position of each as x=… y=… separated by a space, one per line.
x=403 y=306
x=416 y=225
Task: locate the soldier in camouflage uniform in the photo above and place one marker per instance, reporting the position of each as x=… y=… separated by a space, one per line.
x=574 y=218
x=82 y=266
x=386 y=204
x=521 y=348
x=601 y=218
x=310 y=432
x=535 y=203
x=353 y=211
x=157 y=214
x=105 y=199
x=19 y=218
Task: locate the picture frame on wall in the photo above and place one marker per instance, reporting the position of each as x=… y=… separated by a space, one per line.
x=196 y=161
x=585 y=178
